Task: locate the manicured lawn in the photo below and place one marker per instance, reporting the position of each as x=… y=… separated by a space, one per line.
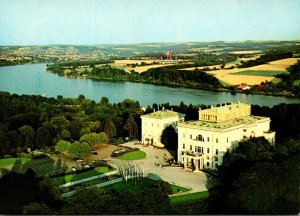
x=259 y=73
x=176 y=188
x=11 y=161
x=78 y=176
x=189 y=197
x=135 y=155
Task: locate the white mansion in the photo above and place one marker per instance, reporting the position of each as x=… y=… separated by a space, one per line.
x=202 y=143
x=154 y=123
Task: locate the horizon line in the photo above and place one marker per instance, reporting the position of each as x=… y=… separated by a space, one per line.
x=158 y=42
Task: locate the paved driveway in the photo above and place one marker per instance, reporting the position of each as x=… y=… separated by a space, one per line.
x=195 y=181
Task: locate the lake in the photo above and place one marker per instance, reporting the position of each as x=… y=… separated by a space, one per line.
x=33 y=79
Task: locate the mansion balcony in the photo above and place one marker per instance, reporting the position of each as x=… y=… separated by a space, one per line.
x=191 y=153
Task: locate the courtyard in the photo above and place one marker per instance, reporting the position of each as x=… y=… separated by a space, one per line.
x=197 y=182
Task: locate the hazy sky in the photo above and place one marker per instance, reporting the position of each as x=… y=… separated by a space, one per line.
x=28 y=22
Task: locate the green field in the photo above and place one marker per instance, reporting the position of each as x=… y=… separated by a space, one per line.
x=11 y=161
x=78 y=176
x=189 y=197
x=276 y=80
x=259 y=73
x=135 y=155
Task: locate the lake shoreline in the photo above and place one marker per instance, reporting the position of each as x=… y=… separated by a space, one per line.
x=289 y=95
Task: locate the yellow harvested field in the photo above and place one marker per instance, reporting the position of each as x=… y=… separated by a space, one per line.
x=229 y=76
x=238 y=79
x=129 y=61
x=142 y=69
x=246 y=52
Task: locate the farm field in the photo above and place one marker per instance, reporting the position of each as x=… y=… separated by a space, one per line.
x=246 y=52
x=141 y=69
x=228 y=65
x=259 y=73
x=230 y=75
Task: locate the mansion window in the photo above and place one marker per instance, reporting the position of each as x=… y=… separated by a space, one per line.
x=183 y=146
x=191 y=147
x=207 y=139
x=227 y=139
x=217 y=140
x=245 y=130
x=207 y=163
x=244 y=137
x=191 y=136
x=198 y=149
x=207 y=150
x=217 y=151
x=200 y=138
x=183 y=135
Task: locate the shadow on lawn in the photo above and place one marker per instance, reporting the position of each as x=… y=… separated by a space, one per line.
x=42 y=167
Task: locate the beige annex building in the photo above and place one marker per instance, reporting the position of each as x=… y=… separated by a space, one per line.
x=154 y=123
x=202 y=143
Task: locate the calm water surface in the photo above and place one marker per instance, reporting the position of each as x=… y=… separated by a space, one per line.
x=33 y=79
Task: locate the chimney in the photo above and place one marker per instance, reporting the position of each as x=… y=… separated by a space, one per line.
x=153 y=110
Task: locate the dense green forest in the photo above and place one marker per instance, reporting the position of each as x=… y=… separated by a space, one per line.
x=37 y=122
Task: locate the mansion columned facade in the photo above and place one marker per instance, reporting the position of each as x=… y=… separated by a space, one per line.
x=202 y=143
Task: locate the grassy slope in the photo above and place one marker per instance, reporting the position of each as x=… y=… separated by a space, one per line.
x=189 y=197
x=131 y=185
x=78 y=176
x=11 y=161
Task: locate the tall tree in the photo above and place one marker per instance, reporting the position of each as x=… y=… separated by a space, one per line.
x=109 y=127
x=29 y=136
x=131 y=127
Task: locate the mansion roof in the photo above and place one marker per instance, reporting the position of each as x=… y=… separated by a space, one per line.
x=242 y=121
x=162 y=114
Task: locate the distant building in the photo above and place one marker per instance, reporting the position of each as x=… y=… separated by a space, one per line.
x=202 y=143
x=243 y=87
x=154 y=123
